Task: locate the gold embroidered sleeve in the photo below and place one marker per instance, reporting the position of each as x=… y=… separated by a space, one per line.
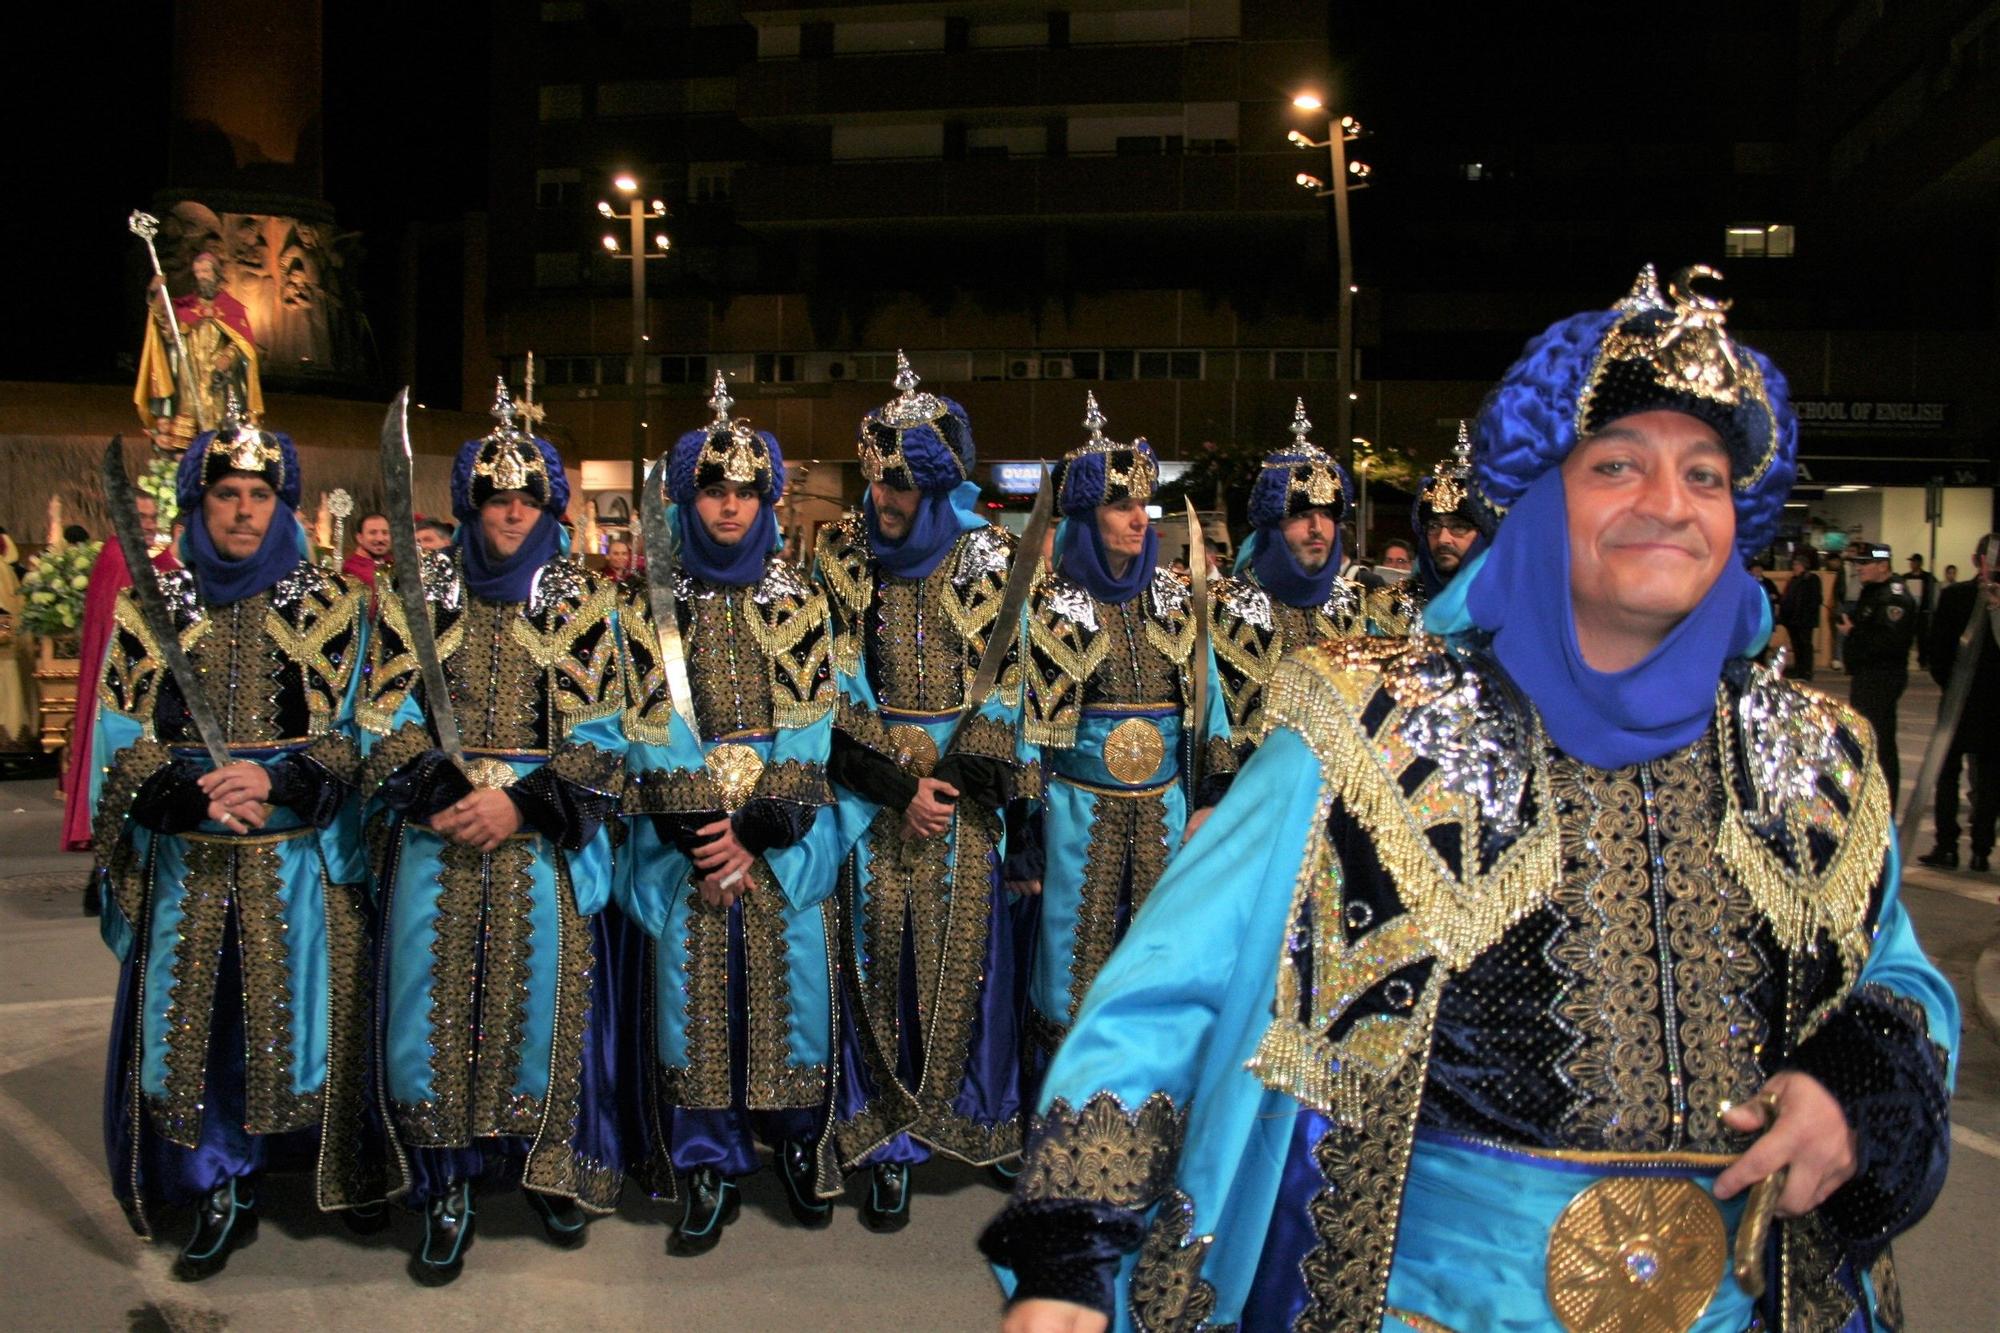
x=133 y=667
x=794 y=634
x=110 y=838
x=840 y=565
x=390 y=753
x=587 y=766
x=580 y=651
x=320 y=635
x=863 y=726
x=1103 y=1153
x=337 y=754
x=1062 y=655
x=989 y=738
x=795 y=783
x=392 y=670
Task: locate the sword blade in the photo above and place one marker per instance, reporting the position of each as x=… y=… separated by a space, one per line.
x=1198 y=658
x=660 y=593
x=1014 y=595
x=406 y=576
x=123 y=499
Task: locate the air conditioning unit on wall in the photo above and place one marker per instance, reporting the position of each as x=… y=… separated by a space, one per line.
x=1058 y=368
x=1024 y=368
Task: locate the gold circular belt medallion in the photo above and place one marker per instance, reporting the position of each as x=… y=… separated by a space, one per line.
x=1133 y=750
x=1636 y=1254
x=489 y=774
x=914 y=749
x=735 y=769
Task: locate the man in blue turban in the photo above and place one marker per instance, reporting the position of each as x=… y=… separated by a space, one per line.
x=495 y=1030
x=236 y=911
x=717 y=867
x=915 y=581
x=1522 y=948
x=1287 y=590
x=1113 y=656
x=1452 y=525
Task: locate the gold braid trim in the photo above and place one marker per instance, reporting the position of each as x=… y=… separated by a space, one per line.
x=1220 y=756
x=111 y=842
x=337 y=754
x=1799 y=905
x=695 y=791
x=987 y=737
x=586 y=766
x=390 y=754
x=796 y=781
x=1103 y=1153
x=1321 y=694
x=863 y=726
x=1169 y=1294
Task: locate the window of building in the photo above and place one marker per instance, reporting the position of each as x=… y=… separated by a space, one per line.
x=709 y=96
x=1148 y=145
x=1472 y=171
x=677 y=370
x=862 y=142
x=1008 y=33
x=561 y=101
x=1211 y=127
x=1136 y=25
x=566 y=370
x=1768 y=240
x=562 y=11
x=1006 y=140
x=558 y=268
x=641 y=97
x=778 y=42
x=1288 y=365
x=872 y=38
x=709 y=182
x=558 y=187
x=1118 y=365
x=1105 y=134
x=777 y=368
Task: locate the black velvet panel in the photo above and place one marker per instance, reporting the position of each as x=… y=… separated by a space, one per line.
x=1064 y=1249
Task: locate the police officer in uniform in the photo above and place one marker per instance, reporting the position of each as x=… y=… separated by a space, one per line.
x=1879 y=635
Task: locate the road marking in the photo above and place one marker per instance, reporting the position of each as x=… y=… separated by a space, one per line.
x=51 y=1006
x=1966 y=1137
x=83 y=1180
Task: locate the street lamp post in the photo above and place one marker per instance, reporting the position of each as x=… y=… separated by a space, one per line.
x=638 y=214
x=1347 y=177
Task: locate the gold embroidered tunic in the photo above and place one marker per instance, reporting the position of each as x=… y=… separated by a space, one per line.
x=278 y=911
x=907 y=651
x=1253 y=630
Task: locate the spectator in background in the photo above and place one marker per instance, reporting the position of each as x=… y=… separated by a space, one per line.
x=1879 y=630
x=371 y=549
x=433 y=535
x=1923 y=589
x=1950 y=575
x=1800 y=607
x=1976 y=742
x=1399 y=555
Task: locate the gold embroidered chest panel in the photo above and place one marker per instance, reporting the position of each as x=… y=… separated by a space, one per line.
x=1083 y=652
x=921 y=638
x=274 y=666
x=1252 y=631
x=521 y=674
x=758 y=657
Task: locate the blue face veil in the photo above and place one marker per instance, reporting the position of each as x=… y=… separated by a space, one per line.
x=725 y=452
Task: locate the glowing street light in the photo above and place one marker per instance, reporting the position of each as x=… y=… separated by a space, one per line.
x=1346 y=177
x=638 y=254
x=1308 y=101
x=626 y=183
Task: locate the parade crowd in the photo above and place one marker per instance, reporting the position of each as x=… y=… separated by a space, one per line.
x=1503 y=941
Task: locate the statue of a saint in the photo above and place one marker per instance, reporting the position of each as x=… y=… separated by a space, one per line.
x=178 y=402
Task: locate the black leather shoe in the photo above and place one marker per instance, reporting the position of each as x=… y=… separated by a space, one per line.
x=1980 y=862
x=368 y=1220
x=1943 y=858
x=795 y=1164
x=563 y=1220
x=224 y=1222
x=713 y=1203
x=887 y=1207
x=447 y=1236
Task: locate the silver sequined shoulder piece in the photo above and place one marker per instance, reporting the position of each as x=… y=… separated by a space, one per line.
x=1066 y=600
x=178 y=591
x=304 y=581
x=1475 y=727
x=1246 y=601
x=1791 y=739
x=782 y=580
x=983 y=551
x=1170 y=595
x=443 y=584
x=563 y=579
x=1343 y=600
